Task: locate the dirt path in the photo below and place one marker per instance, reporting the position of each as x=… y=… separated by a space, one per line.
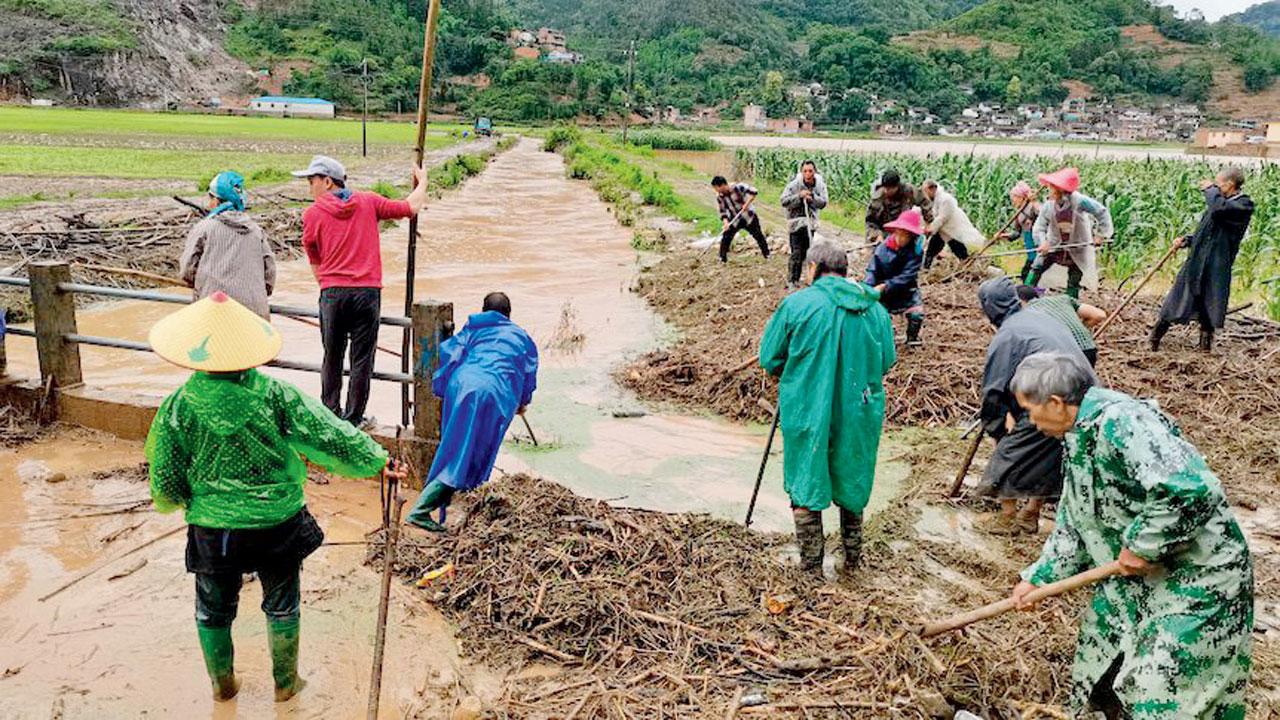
x=127 y=647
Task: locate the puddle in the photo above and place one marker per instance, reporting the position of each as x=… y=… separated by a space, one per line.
x=127 y=647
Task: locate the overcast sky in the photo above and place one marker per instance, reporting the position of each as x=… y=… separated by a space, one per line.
x=1212 y=9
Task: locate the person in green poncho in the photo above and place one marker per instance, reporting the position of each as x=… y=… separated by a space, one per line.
x=831 y=344
x=1170 y=638
x=227 y=448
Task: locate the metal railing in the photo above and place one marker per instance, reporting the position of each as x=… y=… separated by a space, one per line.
x=153 y=296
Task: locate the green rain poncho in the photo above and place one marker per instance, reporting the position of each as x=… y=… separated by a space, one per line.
x=227 y=449
x=1131 y=481
x=833 y=344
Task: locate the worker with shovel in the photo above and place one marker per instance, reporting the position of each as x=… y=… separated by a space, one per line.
x=1203 y=287
x=1026 y=465
x=831 y=344
x=949 y=226
x=894 y=271
x=1067 y=231
x=802 y=198
x=487 y=376
x=736 y=214
x=228 y=448
x=227 y=251
x=1170 y=638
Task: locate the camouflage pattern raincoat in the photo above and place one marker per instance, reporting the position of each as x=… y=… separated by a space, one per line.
x=1131 y=481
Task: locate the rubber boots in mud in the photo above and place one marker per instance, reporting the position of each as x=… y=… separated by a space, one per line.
x=219 y=660
x=284 y=637
x=851 y=540
x=810 y=540
x=434 y=496
x=914 y=323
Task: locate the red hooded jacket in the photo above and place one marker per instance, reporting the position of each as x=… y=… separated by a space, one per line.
x=341 y=237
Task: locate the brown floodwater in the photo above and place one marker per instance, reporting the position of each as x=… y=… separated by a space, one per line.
x=127 y=647
x=524 y=228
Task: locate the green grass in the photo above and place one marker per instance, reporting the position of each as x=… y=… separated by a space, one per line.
x=75 y=122
x=193 y=165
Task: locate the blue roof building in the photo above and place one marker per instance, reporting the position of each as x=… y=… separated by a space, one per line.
x=292 y=106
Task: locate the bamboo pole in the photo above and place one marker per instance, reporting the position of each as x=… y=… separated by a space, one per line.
x=424 y=101
x=994 y=239
x=986 y=612
x=1097 y=334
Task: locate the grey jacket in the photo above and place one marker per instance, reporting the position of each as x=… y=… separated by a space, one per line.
x=230 y=252
x=794 y=204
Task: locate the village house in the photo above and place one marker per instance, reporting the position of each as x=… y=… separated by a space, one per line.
x=1218 y=137
x=291 y=106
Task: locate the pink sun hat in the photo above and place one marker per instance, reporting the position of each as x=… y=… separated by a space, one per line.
x=912 y=221
x=1067 y=179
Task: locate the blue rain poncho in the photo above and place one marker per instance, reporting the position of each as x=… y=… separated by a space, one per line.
x=487 y=372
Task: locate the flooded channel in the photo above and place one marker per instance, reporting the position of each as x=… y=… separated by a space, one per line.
x=551 y=244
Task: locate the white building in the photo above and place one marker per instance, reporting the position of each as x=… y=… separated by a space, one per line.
x=291 y=106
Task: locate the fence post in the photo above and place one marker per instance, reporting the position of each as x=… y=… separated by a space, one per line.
x=54 y=313
x=432 y=324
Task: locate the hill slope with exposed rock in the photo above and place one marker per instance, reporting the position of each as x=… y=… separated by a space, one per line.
x=140 y=53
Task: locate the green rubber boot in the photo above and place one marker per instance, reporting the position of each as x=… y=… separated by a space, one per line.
x=433 y=496
x=219 y=660
x=284 y=638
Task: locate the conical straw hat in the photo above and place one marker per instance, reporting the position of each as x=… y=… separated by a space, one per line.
x=216 y=334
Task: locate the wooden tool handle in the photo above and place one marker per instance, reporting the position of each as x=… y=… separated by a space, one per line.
x=956 y=622
x=968 y=461
x=1097 y=334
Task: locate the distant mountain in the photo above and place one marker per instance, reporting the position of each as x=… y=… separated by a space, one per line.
x=1263 y=16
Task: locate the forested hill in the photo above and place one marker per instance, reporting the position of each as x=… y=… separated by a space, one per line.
x=1264 y=16
x=830 y=60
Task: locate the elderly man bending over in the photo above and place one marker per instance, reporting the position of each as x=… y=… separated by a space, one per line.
x=832 y=344
x=1169 y=639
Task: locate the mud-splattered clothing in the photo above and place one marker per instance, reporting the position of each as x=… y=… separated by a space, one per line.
x=1131 y=481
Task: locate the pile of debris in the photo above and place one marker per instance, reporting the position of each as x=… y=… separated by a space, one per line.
x=150 y=243
x=17 y=426
x=658 y=615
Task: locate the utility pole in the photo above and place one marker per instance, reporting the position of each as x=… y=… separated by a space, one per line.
x=364 y=116
x=631 y=85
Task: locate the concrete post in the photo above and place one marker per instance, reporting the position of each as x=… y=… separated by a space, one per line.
x=432 y=325
x=54 y=313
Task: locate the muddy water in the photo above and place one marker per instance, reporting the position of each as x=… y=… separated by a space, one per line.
x=127 y=647
x=550 y=244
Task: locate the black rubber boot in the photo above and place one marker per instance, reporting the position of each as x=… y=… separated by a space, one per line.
x=851 y=539
x=1206 y=339
x=913 y=331
x=810 y=539
x=1158 y=333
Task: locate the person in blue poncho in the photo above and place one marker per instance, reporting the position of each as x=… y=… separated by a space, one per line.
x=487 y=376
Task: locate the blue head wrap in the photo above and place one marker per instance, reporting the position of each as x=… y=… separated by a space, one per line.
x=229 y=188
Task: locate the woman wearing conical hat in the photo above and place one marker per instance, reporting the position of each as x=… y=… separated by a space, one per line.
x=1070 y=226
x=228 y=447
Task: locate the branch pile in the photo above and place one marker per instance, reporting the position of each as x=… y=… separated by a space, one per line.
x=657 y=615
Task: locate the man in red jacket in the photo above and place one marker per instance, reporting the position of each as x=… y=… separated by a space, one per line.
x=341 y=239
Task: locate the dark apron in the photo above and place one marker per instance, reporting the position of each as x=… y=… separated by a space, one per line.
x=219 y=550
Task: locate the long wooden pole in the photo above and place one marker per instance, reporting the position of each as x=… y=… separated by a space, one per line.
x=968 y=461
x=394 y=504
x=955 y=622
x=994 y=239
x=1116 y=313
x=764 y=460
x=411 y=262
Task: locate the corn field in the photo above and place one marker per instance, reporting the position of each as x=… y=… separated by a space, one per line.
x=1151 y=201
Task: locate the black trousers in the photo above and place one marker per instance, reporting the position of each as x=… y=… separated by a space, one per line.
x=348 y=316
x=218 y=595
x=799 y=249
x=936 y=243
x=752 y=228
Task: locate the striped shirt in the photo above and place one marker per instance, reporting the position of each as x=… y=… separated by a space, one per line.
x=731 y=203
x=1063 y=309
